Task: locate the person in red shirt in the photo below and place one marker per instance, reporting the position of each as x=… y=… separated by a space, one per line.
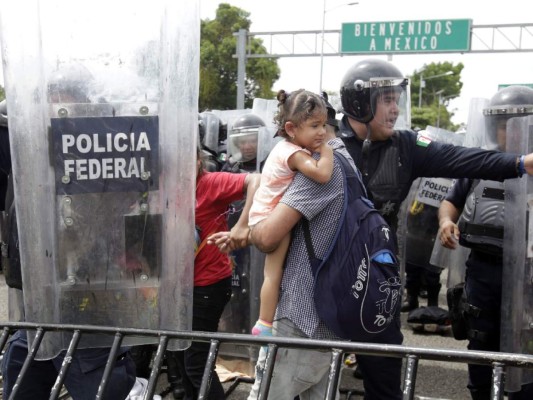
x=215 y=191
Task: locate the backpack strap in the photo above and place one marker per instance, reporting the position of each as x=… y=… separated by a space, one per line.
x=345 y=168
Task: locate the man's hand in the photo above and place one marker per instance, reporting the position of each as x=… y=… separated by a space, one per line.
x=229 y=241
x=449 y=234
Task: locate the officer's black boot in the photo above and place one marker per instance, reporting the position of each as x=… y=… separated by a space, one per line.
x=411 y=301
x=433 y=295
x=174 y=376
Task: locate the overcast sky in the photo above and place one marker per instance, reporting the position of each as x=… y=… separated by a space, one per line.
x=482 y=73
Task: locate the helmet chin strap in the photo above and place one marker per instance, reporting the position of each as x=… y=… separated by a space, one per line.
x=366 y=150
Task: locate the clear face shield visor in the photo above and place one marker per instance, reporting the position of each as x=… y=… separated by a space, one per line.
x=390 y=102
x=496 y=124
x=243 y=144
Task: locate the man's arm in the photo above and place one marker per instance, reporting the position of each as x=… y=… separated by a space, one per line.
x=267 y=234
x=240 y=231
x=448 y=229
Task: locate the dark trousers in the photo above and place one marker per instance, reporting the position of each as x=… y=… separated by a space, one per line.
x=417 y=275
x=484 y=291
x=82 y=379
x=208 y=305
x=382 y=375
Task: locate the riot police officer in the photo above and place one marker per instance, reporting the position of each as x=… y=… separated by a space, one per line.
x=243 y=144
x=473 y=213
x=374 y=100
x=376 y=131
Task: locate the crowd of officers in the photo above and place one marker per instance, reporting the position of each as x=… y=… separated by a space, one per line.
x=390 y=166
x=390 y=160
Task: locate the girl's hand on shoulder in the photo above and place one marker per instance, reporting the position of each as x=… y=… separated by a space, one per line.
x=324 y=147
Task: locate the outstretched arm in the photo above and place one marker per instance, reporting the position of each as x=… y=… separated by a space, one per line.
x=448 y=229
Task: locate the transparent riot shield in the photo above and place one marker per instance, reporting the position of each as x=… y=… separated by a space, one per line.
x=442 y=257
x=517 y=276
x=475 y=128
x=103 y=123
x=419 y=221
x=265 y=143
x=266 y=109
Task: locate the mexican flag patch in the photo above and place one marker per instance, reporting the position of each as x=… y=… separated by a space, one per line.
x=422 y=141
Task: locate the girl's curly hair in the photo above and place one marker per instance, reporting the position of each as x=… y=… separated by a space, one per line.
x=297 y=107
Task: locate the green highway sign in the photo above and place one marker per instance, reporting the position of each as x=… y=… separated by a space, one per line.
x=445 y=35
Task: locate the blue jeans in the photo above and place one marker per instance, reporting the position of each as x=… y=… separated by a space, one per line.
x=82 y=379
x=208 y=305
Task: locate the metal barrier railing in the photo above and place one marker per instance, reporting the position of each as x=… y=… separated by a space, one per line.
x=412 y=355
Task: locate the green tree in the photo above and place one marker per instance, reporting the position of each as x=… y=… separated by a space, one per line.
x=440 y=86
x=2 y=93
x=218 y=68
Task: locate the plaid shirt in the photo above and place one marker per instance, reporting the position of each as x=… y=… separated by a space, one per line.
x=321 y=204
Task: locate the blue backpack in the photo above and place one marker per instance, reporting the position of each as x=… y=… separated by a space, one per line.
x=357 y=285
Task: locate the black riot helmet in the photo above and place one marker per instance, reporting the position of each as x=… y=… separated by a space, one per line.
x=247 y=122
x=365 y=81
x=243 y=138
x=511 y=101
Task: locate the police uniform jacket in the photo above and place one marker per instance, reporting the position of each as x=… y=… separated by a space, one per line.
x=392 y=165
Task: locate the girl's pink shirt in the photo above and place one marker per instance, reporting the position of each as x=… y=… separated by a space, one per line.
x=275 y=179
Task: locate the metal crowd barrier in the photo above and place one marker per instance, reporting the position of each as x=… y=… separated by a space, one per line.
x=412 y=355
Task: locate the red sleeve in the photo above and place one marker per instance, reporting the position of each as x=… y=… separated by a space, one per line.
x=225 y=186
x=215 y=191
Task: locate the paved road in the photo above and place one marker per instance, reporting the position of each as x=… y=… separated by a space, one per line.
x=435 y=380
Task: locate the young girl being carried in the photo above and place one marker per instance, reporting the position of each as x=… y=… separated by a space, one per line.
x=301 y=121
